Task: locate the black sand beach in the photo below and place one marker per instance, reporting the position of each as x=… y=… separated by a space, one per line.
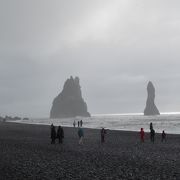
x=26 y=153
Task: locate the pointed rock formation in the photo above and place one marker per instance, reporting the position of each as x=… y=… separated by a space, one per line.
x=151 y=108
x=69 y=103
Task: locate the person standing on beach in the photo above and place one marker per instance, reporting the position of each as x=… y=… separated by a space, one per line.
x=81 y=135
x=81 y=123
x=152 y=135
x=151 y=126
x=78 y=123
x=53 y=134
x=163 y=136
x=142 y=135
x=60 y=134
x=74 y=123
x=103 y=132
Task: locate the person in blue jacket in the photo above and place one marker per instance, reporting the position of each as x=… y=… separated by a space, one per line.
x=81 y=135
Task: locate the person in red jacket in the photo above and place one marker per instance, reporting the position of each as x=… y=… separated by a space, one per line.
x=142 y=135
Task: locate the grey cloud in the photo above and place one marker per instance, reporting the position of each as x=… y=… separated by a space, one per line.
x=115 y=47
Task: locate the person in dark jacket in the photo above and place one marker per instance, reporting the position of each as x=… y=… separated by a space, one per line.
x=151 y=126
x=53 y=134
x=81 y=123
x=163 y=136
x=74 y=123
x=60 y=134
x=103 y=132
x=152 y=135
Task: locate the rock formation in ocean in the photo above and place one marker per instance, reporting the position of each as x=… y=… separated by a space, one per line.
x=69 y=103
x=151 y=108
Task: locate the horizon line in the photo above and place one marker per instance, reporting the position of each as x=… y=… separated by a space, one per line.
x=126 y=114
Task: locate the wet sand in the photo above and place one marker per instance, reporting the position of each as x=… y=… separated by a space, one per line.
x=26 y=153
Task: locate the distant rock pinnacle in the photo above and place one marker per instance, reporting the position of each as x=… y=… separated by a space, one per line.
x=69 y=103
x=151 y=108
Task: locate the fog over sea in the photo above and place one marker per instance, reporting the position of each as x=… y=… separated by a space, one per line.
x=170 y=122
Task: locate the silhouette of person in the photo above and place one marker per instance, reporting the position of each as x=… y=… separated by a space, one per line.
x=78 y=123
x=151 y=126
x=74 y=123
x=81 y=123
x=52 y=125
x=53 y=134
x=103 y=132
x=60 y=134
x=152 y=135
x=142 y=135
x=81 y=135
x=163 y=136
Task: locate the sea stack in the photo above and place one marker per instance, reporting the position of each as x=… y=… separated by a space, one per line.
x=151 y=108
x=69 y=103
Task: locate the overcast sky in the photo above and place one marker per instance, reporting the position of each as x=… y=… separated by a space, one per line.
x=114 y=46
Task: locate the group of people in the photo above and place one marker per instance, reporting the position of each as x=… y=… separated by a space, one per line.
x=60 y=134
x=80 y=123
x=152 y=134
x=57 y=135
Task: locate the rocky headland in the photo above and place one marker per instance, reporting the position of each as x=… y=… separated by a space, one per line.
x=69 y=103
x=151 y=108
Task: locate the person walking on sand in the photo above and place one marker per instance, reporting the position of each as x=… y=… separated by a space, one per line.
x=103 y=132
x=163 y=136
x=142 y=135
x=81 y=135
x=53 y=134
x=151 y=126
x=78 y=123
x=152 y=135
x=60 y=134
x=74 y=123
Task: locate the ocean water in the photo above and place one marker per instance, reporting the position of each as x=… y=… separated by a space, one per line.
x=132 y=122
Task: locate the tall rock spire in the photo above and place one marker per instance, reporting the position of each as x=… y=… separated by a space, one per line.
x=69 y=103
x=151 y=108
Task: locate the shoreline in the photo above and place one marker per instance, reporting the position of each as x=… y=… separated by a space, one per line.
x=120 y=130
x=125 y=123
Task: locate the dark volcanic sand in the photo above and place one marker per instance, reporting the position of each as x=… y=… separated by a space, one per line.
x=26 y=153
